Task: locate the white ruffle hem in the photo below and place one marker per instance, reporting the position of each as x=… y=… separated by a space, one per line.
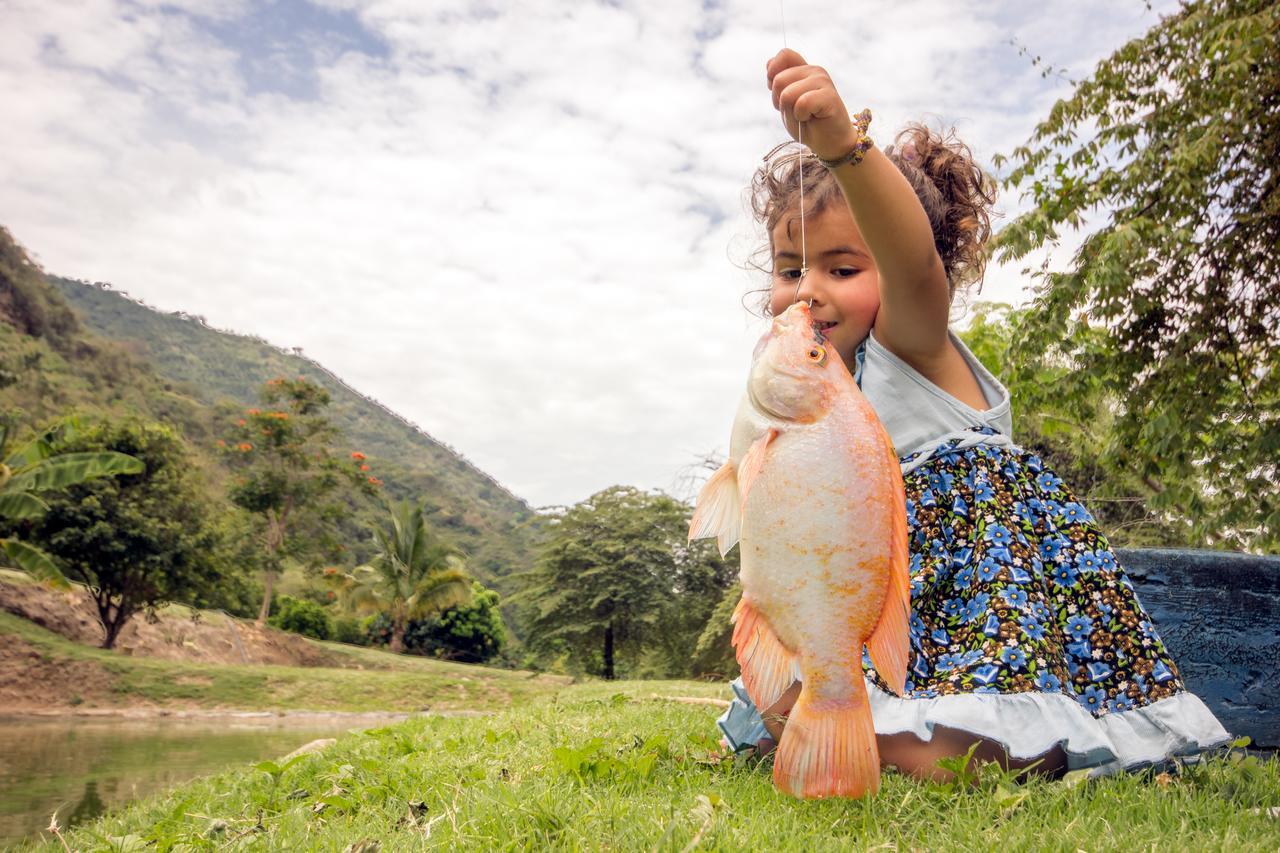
x=1029 y=725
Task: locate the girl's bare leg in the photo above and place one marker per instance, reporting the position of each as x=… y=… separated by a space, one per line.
x=919 y=759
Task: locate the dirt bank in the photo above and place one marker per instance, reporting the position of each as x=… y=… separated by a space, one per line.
x=176 y=633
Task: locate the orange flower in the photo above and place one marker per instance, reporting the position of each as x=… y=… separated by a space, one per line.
x=364 y=467
x=221 y=443
x=244 y=446
x=358 y=456
x=253 y=411
x=241 y=422
x=331 y=571
x=375 y=481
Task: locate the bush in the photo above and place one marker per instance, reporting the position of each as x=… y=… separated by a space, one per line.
x=472 y=633
x=350 y=630
x=301 y=617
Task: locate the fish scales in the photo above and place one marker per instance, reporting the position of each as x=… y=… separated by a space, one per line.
x=813 y=494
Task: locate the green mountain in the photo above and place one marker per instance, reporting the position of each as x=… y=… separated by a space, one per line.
x=74 y=346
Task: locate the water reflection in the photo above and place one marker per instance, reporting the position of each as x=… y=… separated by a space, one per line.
x=89 y=807
x=82 y=768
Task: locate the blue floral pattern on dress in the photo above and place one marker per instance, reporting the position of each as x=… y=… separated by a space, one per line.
x=1015 y=589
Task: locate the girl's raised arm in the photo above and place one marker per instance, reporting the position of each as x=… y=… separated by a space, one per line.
x=914 y=296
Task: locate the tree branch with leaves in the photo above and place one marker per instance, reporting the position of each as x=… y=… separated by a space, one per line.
x=1165 y=157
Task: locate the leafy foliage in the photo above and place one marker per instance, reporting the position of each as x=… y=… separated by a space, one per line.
x=468 y=633
x=1173 y=140
x=202 y=366
x=471 y=632
x=37 y=467
x=135 y=540
x=616 y=577
x=414 y=573
x=1071 y=437
x=288 y=475
x=301 y=617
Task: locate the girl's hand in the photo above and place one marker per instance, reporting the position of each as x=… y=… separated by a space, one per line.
x=805 y=93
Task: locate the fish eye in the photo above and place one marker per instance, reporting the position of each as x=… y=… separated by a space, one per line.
x=816 y=354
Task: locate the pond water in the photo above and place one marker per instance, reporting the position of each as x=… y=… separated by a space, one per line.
x=83 y=767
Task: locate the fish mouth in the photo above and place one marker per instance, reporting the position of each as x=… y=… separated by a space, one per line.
x=822 y=329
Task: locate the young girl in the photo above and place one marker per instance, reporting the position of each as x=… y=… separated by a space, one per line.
x=1026 y=637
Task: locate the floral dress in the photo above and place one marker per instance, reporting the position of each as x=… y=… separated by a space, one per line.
x=1024 y=628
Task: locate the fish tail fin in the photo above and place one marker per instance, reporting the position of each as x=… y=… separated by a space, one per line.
x=719 y=511
x=828 y=748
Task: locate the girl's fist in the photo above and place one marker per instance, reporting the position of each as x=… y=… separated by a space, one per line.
x=805 y=93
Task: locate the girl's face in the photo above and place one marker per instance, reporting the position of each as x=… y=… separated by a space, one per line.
x=842 y=280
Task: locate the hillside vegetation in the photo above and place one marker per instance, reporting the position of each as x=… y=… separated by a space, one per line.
x=68 y=346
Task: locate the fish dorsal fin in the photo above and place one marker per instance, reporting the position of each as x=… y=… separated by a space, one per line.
x=753 y=463
x=719 y=509
x=889 y=645
x=768 y=667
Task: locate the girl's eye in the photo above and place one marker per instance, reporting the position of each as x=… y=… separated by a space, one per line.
x=847 y=272
x=792 y=275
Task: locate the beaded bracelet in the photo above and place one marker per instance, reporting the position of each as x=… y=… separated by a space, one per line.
x=861 y=121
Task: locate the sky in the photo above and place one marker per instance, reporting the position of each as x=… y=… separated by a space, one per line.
x=519 y=225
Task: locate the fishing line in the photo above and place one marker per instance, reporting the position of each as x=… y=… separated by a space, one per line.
x=804 y=246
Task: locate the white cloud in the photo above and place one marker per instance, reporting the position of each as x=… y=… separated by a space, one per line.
x=514 y=226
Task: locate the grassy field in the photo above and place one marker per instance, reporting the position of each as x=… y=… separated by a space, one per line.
x=388 y=683
x=613 y=767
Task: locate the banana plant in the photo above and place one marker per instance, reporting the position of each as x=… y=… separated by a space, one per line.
x=36 y=467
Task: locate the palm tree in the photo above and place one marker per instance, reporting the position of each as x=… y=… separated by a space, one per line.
x=37 y=467
x=414 y=575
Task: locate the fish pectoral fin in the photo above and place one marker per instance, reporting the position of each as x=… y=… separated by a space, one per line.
x=890 y=644
x=768 y=667
x=753 y=463
x=719 y=511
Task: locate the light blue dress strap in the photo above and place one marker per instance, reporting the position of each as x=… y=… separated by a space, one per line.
x=741 y=725
x=859 y=360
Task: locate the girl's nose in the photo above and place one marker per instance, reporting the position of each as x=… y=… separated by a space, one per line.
x=808 y=289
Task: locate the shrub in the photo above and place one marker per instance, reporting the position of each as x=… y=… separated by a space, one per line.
x=301 y=617
x=351 y=630
x=472 y=633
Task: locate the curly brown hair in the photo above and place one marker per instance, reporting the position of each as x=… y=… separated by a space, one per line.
x=953 y=190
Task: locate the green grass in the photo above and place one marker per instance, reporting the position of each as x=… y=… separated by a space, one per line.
x=625 y=771
x=388 y=682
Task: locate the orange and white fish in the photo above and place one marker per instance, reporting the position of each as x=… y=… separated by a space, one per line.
x=813 y=494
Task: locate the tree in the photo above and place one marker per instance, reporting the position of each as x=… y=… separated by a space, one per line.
x=136 y=540
x=1071 y=439
x=287 y=474
x=617 y=577
x=1174 y=141
x=38 y=467
x=415 y=574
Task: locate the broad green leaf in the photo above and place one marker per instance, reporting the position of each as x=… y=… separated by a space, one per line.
x=19 y=505
x=34 y=562
x=70 y=469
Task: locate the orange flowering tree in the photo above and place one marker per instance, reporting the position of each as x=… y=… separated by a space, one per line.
x=288 y=475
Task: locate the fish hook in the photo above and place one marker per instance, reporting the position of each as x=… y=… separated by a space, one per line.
x=795 y=297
